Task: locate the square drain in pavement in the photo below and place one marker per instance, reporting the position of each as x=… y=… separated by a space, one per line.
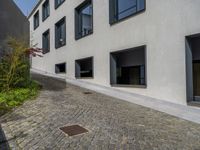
x=73 y=130
x=87 y=93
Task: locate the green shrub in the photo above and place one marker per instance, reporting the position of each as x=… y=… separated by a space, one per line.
x=16 y=97
x=15 y=83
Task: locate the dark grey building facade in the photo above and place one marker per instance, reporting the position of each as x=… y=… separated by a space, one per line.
x=12 y=23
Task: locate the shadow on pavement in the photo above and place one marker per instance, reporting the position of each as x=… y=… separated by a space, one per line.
x=49 y=83
x=3 y=141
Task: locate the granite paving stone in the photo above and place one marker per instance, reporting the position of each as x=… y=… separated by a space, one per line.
x=113 y=124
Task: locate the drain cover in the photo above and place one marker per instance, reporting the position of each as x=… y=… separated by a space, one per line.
x=87 y=93
x=73 y=130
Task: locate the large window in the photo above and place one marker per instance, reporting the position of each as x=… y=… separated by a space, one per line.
x=58 y=3
x=36 y=20
x=84 y=19
x=60 y=68
x=46 y=42
x=84 y=68
x=127 y=67
x=60 y=33
x=193 y=67
x=120 y=9
x=45 y=10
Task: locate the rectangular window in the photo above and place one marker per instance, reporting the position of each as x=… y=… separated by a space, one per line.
x=84 y=68
x=60 y=68
x=58 y=3
x=46 y=42
x=84 y=19
x=60 y=33
x=127 y=67
x=36 y=20
x=120 y=9
x=45 y=10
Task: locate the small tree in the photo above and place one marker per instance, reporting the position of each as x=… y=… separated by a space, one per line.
x=14 y=66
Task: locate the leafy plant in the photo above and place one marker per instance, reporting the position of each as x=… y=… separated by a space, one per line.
x=14 y=66
x=16 y=97
x=15 y=82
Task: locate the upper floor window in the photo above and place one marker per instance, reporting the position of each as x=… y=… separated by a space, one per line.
x=83 y=19
x=60 y=33
x=46 y=42
x=58 y=3
x=45 y=10
x=120 y=9
x=36 y=20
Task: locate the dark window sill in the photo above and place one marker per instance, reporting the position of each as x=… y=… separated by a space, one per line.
x=46 y=52
x=56 y=6
x=129 y=86
x=127 y=17
x=57 y=47
x=61 y=73
x=80 y=37
x=45 y=18
x=36 y=27
x=84 y=77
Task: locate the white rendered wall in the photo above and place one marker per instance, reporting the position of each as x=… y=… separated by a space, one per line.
x=162 y=28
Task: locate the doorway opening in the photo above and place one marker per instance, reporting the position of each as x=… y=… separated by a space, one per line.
x=193 y=67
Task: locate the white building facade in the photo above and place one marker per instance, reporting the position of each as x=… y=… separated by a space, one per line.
x=146 y=47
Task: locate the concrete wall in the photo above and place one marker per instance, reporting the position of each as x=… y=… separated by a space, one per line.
x=162 y=27
x=12 y=22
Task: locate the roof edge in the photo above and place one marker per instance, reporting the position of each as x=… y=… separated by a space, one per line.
x=36 y=6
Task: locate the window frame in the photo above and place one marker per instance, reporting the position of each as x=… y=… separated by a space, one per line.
x=77 y=23
x=34 y=18
x=112 y=12
x=63 y=63
x=57 y=45
x=43 y=9
x=145 y=67
x=58 y=5
x=47 y=50
x=77 y=61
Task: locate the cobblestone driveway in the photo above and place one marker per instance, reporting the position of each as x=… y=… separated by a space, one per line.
x=112 y=123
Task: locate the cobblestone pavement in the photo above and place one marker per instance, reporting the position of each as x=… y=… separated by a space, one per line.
x=113 y=124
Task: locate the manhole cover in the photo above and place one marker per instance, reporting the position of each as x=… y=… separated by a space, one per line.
x=73 y=130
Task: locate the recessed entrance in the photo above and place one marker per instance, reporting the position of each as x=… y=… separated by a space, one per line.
x=193 y=67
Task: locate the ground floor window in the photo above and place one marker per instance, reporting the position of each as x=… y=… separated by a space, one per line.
x=84 y=68
x=60 y=68
x=128 y=67
x=193 y=67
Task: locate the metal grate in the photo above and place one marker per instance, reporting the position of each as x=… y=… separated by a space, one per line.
x=73 y=130
x=87 y=93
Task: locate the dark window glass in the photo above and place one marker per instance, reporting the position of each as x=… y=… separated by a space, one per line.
x=36 y=20
x=127 y=67
x=46 y=42
x=58 y=3
x=84 y=68
x=60 y=33
x=120 y=9
x=60 y=68
x=45 y=10
x=84 y=19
